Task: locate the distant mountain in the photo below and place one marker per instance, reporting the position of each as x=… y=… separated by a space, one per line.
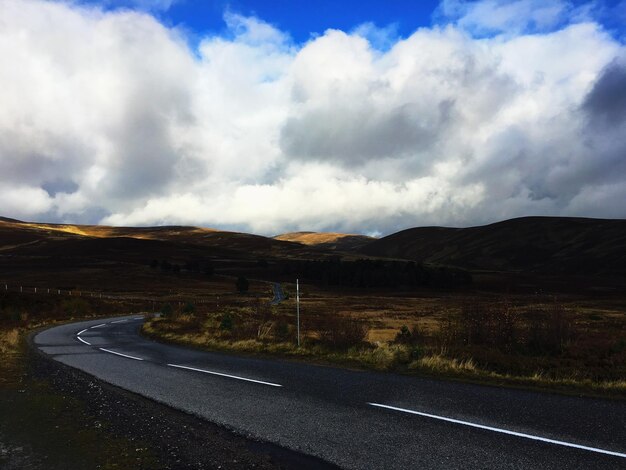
x=16 y=234
x=533 y=244
x=327 y=240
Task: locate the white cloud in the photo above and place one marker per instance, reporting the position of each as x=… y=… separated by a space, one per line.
x=109 y=116
x=487 y=17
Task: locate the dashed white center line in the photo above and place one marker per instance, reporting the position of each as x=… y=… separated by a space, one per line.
x=120 y=321
x=99 y=326
x=226 y=375
x=500 y=430
x=81 y=339
x=120 y=354
x=81 y=332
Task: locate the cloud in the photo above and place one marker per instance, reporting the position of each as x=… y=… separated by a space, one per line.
x=606 y=102
x=108 y=115
x=489 y=17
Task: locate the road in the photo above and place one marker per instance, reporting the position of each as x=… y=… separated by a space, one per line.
x=354 y=419
x=279 y=295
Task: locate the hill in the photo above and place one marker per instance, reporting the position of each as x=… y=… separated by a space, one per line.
x=327 y=240
x=15 y=233
x=529 y=244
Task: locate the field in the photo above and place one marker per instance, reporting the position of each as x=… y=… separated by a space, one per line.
x=508 y=326
x=571 y=342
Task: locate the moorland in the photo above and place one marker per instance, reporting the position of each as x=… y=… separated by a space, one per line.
x=535 y=301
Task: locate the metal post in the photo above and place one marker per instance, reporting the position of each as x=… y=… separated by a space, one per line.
x=298 y=308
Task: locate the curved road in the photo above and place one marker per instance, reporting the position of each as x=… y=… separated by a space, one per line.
x=354 y=419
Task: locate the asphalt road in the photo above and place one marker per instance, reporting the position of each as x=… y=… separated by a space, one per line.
x=354 y=419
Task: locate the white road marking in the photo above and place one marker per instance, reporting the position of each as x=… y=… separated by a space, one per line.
x=138 y=318
x=226 y=375
x=99 y=326
x=81 y=332
x=81 y=339
x=503 y=431
x=120 y=321
x=120 y=354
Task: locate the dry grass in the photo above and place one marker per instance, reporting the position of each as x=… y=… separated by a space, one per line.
x=384 y=315
x=439 y=363
x=9 y=340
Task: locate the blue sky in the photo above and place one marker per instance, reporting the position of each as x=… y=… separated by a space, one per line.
x=274 y=116
x=301 y=19
x=304 y=19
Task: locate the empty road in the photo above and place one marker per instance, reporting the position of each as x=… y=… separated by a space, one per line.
x=354 y=419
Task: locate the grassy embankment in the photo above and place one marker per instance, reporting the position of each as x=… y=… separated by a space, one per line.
x=572 y=345
x=42 y=427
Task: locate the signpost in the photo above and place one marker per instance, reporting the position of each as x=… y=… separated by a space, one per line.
x=298 y=308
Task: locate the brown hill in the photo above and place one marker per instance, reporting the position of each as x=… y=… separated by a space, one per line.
x=14 y=234
x=532 y=244
x=327 y=240
x=144 y=257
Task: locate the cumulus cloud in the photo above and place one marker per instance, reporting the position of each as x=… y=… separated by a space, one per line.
x=504 y=109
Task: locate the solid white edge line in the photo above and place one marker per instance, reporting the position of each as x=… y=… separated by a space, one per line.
x=81 y=332
x=81 y=339
x=99 y=326
x=120 y=354
x=503 y=431
x=120 y=321
x=225 y=375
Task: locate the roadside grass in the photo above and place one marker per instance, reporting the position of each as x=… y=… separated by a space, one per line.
x=535 y=343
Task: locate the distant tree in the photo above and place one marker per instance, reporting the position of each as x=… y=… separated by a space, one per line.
x=167 y=310
x=242 y=284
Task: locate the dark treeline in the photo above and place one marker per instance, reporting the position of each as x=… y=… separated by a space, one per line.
x=191 y=266
x=377 y=273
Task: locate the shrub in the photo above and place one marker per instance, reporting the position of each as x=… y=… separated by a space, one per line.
x=167 y=310
x=189 y=308
x=403 y=336
x=282 y=330
x=339 y=331
x=227 y=323
x=242 y=284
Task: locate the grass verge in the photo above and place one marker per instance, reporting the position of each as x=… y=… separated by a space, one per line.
x=400 y=358
x=43 y=428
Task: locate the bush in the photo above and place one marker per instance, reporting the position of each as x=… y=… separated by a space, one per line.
x=227 y=322
x=403 y=336
x=339 y=331
x=282 y=330
x=242 y=284
x=167 y=310
x=189 y=308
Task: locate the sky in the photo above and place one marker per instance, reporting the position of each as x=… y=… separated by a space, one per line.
x=275 y=116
